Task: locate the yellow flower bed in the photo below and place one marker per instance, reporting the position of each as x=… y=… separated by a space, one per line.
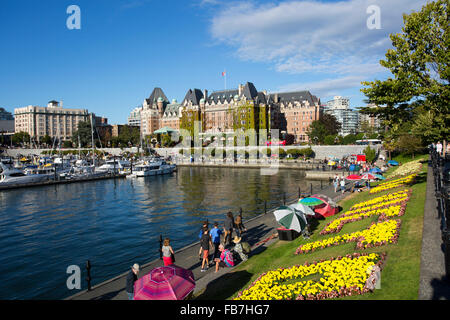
x=377 y=234
x=384 y=213
x=393 y=184
x=339 y=277
x=398 y=196
x=407 y=169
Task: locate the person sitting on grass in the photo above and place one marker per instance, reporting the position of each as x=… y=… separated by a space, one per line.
x=226 y=258
x=238 y=248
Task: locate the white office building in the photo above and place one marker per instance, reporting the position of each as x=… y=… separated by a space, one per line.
x=349 y=119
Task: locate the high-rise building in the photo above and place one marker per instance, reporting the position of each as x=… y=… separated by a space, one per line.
x=6 y=121
x=52 y=120
x=339 y=107
x=134 y=119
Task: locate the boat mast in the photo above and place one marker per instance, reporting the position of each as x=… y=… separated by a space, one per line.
x=92 y=140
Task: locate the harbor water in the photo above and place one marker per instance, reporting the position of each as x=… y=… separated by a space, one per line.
x=115 y=223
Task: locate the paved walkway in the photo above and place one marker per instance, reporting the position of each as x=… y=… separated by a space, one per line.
x=433 y=284
x=258 y=228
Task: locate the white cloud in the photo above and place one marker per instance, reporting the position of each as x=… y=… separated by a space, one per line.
x=326 y=87
x=311 y=36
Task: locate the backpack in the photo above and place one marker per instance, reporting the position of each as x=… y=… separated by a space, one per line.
x=246 y=247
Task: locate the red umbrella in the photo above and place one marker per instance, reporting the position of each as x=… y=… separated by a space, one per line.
x=165 y=283
x=328 y=208
x=368 y=176
x=353 y=177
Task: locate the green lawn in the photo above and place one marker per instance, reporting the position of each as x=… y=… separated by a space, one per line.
x=400 y=275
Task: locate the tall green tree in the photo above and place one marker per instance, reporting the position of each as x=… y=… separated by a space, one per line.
x=84 y=132
x=317 y=132
x=419 y=63
x=330 y=123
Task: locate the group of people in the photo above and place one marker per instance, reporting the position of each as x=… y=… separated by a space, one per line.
x=339 y=183
x=222 y=257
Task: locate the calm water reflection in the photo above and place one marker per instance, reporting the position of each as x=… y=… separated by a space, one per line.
x=115 y=223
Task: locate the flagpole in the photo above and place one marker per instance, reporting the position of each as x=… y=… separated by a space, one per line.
x=225 y=79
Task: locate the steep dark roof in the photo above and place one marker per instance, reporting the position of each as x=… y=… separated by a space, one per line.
x=248 y=91
x=222 y=95
x=294 y=96
x=156 y=93
x=193 y=96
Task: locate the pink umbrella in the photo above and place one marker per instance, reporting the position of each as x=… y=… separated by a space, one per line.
x=165 y=283
x=368 y=176
x=353 y=177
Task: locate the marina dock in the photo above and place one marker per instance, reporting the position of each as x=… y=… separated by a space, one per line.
x=57 y=182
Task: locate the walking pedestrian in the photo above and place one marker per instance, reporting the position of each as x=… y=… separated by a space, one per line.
x=167 y=252
x=206 y=242
x=215 y=234
x=336 y=182
x=200 y=251
x=131 y=279
x=439 y=148
x=228 y=228
x=342 y=185
x=239 y=225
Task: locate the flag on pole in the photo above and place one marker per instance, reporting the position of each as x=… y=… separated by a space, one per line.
x=224 y=73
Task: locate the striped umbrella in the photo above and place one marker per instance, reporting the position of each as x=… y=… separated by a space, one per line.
x=368 y=176
x=311 y=201
x=165 y=283
x=302 y=208
x=290 y=218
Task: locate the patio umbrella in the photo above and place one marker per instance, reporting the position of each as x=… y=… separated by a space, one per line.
x=302 y=208
x=311 y=201
x=393 y=162
x=375 y=170
x=165 y=283
x=328 y=208
x=379 y=176
x=326 y=199
x=353 y=177
x=368 y=176
x=290 y=218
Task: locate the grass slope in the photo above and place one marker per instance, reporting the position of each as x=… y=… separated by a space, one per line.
x=400 y=275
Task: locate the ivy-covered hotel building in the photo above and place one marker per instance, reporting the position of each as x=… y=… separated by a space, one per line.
x=225 y=113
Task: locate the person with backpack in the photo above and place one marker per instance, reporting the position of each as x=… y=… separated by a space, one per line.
x=226 y=258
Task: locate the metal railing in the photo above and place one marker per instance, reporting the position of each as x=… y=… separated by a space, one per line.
x=442 y=187
x=269 y=206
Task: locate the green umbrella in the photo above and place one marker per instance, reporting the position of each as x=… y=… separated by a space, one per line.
x=311 y=201
x=379 y=176
x=290 y=218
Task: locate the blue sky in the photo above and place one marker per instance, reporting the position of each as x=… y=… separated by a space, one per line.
x=125 y=48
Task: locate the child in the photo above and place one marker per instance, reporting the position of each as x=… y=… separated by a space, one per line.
x=167 y=252
x=205 y=243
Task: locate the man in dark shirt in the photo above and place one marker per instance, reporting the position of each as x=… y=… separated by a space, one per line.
x=131 y=279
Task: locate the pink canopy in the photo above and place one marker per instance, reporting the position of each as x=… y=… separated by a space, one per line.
x=326 y=209
x=165 y=283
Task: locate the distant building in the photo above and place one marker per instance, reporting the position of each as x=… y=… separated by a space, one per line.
x=339 y=107
x=372 y=121
x=298 y=110
x=6 y=121
x=52 y=120
x=134 y=119
x=152 y=112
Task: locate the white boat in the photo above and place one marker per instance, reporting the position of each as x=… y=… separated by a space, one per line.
x=112 y=166
x=13 y=176
x=152 y=169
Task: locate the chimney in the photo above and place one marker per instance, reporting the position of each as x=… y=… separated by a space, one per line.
x=205 y=94
x=61 y=104
x=240 y=88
